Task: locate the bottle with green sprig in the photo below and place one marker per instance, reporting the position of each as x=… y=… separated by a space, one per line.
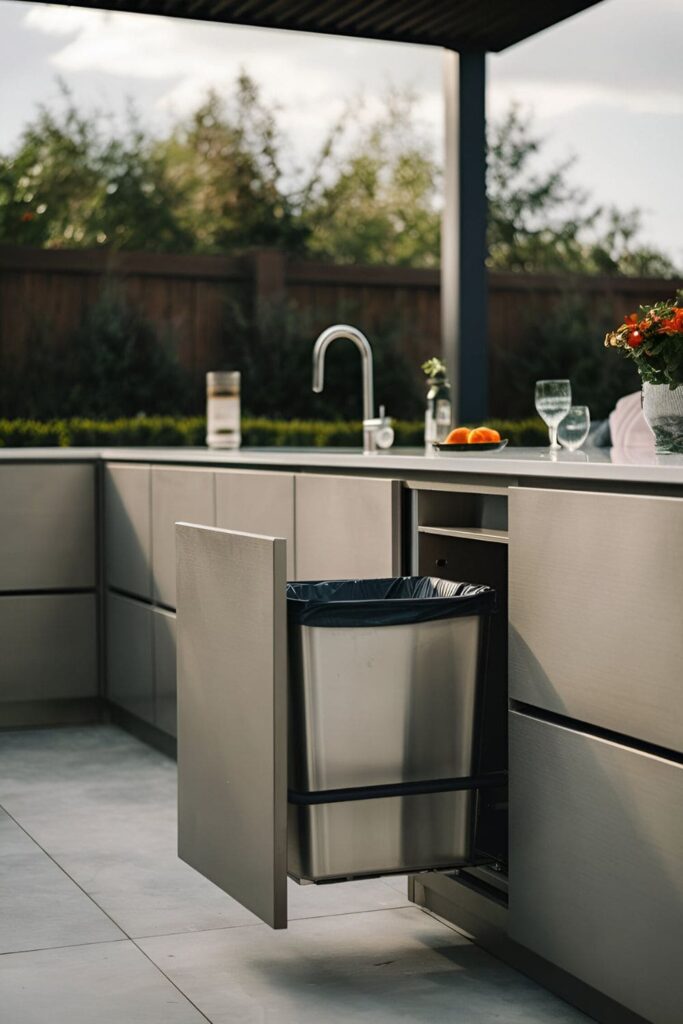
x=439 y=410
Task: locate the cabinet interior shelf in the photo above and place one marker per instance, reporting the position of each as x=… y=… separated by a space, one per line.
x=467 y=533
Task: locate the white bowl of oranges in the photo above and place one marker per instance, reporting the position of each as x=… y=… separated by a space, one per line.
x=472 y=439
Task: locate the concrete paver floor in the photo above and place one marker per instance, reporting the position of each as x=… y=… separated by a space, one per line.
x=100 y=921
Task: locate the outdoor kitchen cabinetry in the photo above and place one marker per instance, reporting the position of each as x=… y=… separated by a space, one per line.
x=48 y=644
x=347 y=527
x=257 y=502
x=142 y=503
x=178 y=494
x=130 y=660
x=128 y=528
x=596 y=738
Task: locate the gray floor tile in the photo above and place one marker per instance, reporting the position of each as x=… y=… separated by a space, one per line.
x=104 y=805
x=383 y=967
x=110 y=983
x=399 y=883
x=39 y=905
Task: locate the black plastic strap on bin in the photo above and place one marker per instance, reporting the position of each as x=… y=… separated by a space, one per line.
x=340 y=796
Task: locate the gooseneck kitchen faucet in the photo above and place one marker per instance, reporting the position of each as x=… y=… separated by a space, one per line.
x=377 y=432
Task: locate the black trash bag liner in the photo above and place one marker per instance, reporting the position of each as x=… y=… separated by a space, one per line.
x=388 y=602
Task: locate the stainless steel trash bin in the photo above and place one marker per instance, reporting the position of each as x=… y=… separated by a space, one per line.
x=383 y=689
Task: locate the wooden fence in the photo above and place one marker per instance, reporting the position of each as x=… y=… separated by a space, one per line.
x=186 y=297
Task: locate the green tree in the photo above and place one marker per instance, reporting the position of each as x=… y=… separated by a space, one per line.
x=223 y=179
x=74 y=182
x=226 y=162
x=380 y=204
x=540 y=222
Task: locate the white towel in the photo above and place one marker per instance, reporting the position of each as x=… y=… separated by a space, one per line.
x=628 y=427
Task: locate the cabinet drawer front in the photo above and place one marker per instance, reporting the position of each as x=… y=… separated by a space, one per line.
x=347 y=527
x=130 y=667
x=186 y=495
x=48 y=647
x=47 y=526
x=165 y=698
x=128 y=526
x=596 y=847
x=255 y=502
x=596 y=596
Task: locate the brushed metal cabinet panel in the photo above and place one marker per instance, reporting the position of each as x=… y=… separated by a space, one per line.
x=48 y=647
x=128 y=528
x=47 y=526
x=165 y=699
x=596 y=603
x=130 y=668
x=177 y=494
x=232 y=715
x=347 y=527
x=255 y=502
x=596 y=849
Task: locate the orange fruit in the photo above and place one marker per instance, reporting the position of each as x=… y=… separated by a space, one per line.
x=483 y=435
x=458 y=436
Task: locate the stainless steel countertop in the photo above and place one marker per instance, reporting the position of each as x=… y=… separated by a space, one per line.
x=609 y=464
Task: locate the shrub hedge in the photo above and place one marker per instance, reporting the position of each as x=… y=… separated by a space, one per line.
x=173 y=431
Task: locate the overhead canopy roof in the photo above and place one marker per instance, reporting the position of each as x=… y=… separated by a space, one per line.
x=456 y=24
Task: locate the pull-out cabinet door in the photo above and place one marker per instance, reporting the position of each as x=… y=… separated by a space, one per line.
x=232 y=715
x=596 y=850
x=596 y=592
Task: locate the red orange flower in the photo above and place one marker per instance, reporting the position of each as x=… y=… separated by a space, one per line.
x=674 y=323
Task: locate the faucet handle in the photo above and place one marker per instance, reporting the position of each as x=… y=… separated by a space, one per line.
x=384 y=432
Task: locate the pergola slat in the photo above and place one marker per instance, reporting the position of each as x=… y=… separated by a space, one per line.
x=455 y=24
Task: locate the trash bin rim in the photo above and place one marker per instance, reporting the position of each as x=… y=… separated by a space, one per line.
x=386 y=611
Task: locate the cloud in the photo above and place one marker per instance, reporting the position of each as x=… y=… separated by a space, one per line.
x=313 y=79
x=621 y=53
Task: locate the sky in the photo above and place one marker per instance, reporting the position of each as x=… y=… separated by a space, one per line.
x=605 y=85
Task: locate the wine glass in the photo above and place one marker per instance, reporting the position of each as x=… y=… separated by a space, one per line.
x=553 y=402
x=573 y=429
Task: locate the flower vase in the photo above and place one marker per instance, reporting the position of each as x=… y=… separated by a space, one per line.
x=663 y=410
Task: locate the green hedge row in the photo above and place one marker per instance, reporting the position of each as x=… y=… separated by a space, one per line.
x=171 y=431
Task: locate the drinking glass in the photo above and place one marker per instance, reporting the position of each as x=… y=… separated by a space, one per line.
x=573 y=429
x=553 y=402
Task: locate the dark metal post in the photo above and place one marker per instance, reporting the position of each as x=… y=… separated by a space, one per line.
x=464 y=302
